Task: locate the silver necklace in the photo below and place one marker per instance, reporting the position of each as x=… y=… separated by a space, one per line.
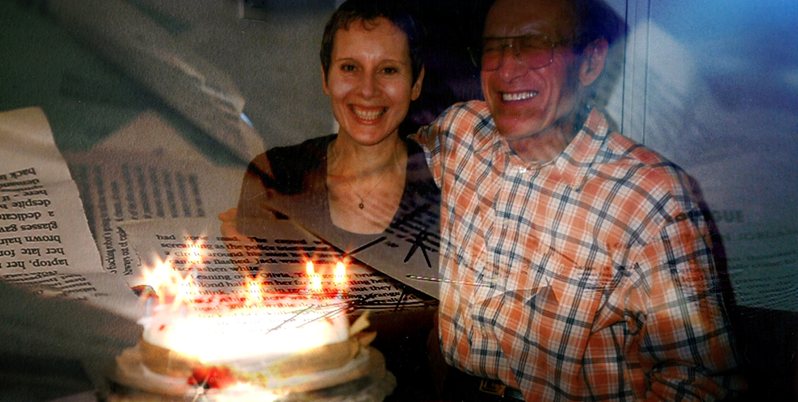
x=361 y=204
x=361 y=200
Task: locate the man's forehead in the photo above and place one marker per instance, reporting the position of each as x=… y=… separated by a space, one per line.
x=521 y=17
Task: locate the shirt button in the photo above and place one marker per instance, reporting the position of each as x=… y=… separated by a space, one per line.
x=522 y=170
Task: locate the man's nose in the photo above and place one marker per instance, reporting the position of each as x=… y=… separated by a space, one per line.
x=512 y=64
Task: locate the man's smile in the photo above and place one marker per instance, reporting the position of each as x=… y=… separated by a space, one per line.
x=518 y=96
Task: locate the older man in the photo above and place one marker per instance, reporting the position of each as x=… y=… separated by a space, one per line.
x=576 y=264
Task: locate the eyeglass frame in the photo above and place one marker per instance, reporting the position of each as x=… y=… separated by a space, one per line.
x=476 y=54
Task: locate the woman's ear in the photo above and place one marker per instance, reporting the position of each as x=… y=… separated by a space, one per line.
x=415 y=92
x=324 y=86
x=592 y=62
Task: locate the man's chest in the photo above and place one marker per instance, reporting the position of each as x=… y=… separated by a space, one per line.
x=521 y=227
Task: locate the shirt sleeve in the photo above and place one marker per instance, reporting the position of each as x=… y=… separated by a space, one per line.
x=686 y=345
x=440 y=135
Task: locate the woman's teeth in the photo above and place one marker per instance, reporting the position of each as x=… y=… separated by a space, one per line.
x=371 y=114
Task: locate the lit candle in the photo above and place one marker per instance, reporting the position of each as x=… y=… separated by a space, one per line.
x=314 y=279
x=339 y=278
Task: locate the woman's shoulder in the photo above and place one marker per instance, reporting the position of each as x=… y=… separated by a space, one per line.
x=289 y=166
x=306 y=155
x=315 y=147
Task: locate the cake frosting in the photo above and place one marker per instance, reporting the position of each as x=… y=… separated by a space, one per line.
x=246 y=338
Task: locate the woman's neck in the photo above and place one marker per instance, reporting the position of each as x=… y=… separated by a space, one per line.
x=365 y=184
x=350 y=159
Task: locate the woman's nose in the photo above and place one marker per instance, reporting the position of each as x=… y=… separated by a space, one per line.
x=369 y=85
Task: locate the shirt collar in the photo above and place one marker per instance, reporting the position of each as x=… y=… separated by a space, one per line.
x=486 y=137
x=573 y=164
x=575 y=161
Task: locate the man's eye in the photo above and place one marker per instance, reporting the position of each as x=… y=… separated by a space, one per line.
x=348 y=68
x=533 y=42
x=494 y=46
x=390 y=70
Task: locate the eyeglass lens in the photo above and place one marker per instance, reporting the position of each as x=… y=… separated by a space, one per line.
x=533 y=50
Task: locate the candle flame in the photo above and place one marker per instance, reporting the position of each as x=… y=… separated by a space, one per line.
x=314 y=278
x=339 y=275
x=175 y=288
x=162 y=278
x=195 y=252
x=186 y=289
x=253 y=292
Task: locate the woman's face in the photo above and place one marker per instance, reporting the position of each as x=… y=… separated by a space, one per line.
x=369 y=81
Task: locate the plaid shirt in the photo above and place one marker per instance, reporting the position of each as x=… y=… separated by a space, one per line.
x=587 y=277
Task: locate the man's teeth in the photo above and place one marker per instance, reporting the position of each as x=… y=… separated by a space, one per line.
x=368 y=114
x=517 y=96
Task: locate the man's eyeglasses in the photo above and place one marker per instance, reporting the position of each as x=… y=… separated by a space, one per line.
x=536 y=51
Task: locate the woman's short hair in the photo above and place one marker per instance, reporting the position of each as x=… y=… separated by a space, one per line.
x=368 y=11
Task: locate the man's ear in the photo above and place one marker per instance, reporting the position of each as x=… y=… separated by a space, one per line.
x=324 y=86
x=415 y=92
x=593 y=59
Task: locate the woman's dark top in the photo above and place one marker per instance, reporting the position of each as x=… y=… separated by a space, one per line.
x=297 y=188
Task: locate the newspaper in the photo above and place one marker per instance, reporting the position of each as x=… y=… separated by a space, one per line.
x=45 y=242
x=146 y=170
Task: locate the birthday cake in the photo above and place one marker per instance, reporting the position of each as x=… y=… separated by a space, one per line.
x=287 y=353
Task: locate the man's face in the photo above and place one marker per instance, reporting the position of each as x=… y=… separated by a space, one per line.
x=525 y=101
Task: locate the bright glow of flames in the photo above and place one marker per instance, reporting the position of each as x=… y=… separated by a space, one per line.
x=248 y=328
x=195 y=252
x=163 y=279
x=186 y=288
x=339 y=275
x=314 y=278
x=253 y=293
x=248 y=339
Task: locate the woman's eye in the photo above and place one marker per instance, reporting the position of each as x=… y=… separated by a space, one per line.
x=348 y=67
x=390 y=70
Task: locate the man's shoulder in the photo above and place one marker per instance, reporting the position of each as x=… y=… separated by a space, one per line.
x=475 y=106
x=463 y=122
x=628 y=148
x=629 y=151
x=472 y=111
x=611 y=150
x=650 y=171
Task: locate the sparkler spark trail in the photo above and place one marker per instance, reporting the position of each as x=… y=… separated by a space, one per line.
x=280 y=325
x=441 y=280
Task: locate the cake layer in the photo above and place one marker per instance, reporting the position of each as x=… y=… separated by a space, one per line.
x=170 y=363
x=132 y=373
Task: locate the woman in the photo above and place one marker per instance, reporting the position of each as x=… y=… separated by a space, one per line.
x=367 y=181
x=359 y=182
